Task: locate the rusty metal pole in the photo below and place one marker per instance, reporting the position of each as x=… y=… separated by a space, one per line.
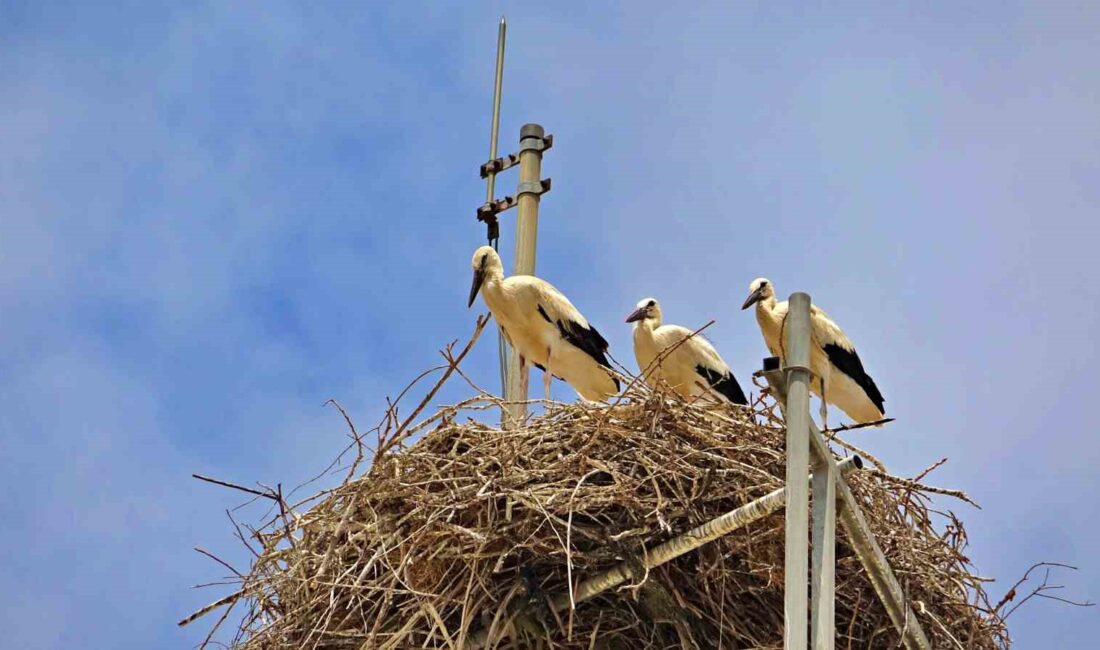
x=531 y=145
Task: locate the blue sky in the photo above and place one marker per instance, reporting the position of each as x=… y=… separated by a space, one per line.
x=214 y=217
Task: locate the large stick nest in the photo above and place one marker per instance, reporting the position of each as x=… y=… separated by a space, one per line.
x=471 y=533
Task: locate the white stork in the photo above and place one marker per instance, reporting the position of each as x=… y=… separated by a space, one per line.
x=544 y=327
x=689 y=361
x=841 y=379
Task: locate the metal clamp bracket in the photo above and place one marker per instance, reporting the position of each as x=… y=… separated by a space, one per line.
x=487 y=212
x=497 y=165
x=532 y=187
x=788 y=369
x=531 y=142
x=536 y=143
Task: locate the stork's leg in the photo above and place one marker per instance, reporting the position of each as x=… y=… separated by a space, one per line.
x=547 y=377
x=824 y=407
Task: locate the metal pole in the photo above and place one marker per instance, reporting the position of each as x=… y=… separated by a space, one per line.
x=490 y=181
x=494 y=131
x=823 y=564
x=527 y=223
x=796 y=553
x=860 y=537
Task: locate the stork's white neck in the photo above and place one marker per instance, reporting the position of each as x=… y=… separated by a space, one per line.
x=492 y=288
x=765 y=307
x=646 y=326
x=771 y=323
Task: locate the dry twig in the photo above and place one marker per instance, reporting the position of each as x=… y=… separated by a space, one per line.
x=1040 y=591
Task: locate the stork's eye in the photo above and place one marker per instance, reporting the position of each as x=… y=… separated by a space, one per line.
x=651 y=303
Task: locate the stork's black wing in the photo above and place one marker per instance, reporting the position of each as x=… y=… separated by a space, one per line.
x=847 y=361
x=725 y=384
x=586 y=339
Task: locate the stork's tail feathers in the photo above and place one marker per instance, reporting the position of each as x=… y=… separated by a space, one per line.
x=847 y=361
x=725 y=384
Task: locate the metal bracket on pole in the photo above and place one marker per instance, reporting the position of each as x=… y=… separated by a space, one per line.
x=497 y=165
x=533 y=187
x=532 y=140
x=790 y=368
x=487 y=212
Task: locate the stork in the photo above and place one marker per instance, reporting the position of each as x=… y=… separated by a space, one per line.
x=841 y=379
x=544 y=327
x=690 y=365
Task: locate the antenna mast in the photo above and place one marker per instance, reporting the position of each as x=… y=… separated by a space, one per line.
x=493 y=226
x=533 y=141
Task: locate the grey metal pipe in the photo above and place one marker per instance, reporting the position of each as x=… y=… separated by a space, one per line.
x=797 y=414
x=823 y=558
x=527 y=224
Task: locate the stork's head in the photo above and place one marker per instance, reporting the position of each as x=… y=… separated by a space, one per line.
x=759 y=289
x=647 y=309
x=485 y=262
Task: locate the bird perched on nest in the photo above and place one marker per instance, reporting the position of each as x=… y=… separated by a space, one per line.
x=544 y=327
x=691 y=365
x=839 y=377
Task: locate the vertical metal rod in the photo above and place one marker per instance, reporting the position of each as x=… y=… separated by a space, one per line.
x=490 y=182
x=527 y=224
x=797 y=414
x=823 y=564
x=494 y=130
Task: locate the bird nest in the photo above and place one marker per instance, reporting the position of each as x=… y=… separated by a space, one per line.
x=476 y=536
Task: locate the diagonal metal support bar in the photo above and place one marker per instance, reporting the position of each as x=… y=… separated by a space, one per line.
x=693 y=539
